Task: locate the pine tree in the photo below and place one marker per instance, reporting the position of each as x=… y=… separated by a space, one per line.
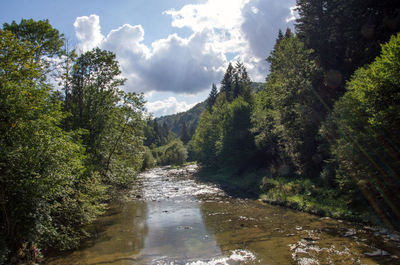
x=226 y=83
x=184 y=133
x=212 y=97
x=241 y=82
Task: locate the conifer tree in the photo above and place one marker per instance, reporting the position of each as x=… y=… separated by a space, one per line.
x=226 y=83
x=212 y=97
x=184 y=134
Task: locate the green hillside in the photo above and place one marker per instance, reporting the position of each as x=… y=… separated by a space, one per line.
x=190 y=117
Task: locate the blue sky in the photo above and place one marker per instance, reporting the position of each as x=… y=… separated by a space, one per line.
x=171 y=50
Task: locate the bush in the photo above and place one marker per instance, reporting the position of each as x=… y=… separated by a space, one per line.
x=148 y=159
x=173 y=153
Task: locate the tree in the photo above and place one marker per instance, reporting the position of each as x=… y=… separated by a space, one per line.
x=207 y=140
x=184 y=134
x=226 y=83
x=45 y=197
x=241 y=83
x=237 y=140
x=363 y=130
x=292 y=107
x=345 y=34
x=109 y=118
x=46 y=41
x=212 y=97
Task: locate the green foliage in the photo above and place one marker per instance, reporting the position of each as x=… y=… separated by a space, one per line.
x=207 y=143
x=45 y=40
x=304 y=195
x=148 y=159
x=363 y=130
x=44 y=193
x=236 y=82
x=346 y=34
x=184 y=135
x=225 y=128
x=156 y=135
x=190 y=117
x=173 y=153
x=212 y=97
x=288 y=112
x=59 y=159
x=111 y=118
x=236 y=134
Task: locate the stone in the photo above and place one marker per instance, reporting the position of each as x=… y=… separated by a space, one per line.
x=377 y=252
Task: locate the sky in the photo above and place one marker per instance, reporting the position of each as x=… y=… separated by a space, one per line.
x=170 y=50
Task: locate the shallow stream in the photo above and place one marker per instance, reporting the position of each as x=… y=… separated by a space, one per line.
x=171 y=218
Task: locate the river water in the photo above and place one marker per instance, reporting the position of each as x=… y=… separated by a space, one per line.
x=171 y=218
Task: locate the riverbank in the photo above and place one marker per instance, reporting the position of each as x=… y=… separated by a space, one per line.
x=298 y=194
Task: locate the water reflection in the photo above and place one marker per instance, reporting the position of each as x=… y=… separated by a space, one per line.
x=117 y=237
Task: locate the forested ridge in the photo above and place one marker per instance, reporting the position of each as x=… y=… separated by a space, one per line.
x=321 y=135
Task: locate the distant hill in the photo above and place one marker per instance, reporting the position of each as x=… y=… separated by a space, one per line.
x=192 y=116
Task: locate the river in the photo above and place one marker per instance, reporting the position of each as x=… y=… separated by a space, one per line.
x=171 y=218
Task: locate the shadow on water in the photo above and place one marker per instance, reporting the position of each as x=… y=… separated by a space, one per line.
x=117 y=234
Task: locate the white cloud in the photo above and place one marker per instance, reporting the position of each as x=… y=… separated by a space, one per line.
x=88 y=32
x=260 y=30
x=246 y=29
x=167 y=106
x=293 y=14
x=221 y=14
x=182 y=65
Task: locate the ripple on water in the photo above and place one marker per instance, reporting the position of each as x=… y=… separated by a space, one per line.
x=238 y=256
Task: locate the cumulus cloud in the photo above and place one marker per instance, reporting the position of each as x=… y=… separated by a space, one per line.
x=247 y=28
x=182 y=65
x=244 y=29
x=221 y=14
x=167 y=106
x=88 y=32
x=261 y=28
x=262 y=21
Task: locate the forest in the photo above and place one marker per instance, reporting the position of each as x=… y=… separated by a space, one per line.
x=321 y=135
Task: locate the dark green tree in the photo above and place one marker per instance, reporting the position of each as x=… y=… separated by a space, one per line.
x=346 y=34
x=212 y=97
x=363 y=130
x=184 y=134
x=226 y=83
x=241 y=82
x=291 y=108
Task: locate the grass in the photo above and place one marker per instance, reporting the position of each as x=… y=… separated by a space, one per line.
x=296 y=193
x=304 y=195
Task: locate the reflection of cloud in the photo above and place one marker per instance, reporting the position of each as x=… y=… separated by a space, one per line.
x=167 y=106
